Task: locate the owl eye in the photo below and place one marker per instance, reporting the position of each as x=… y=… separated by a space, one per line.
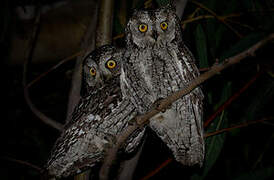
x=111 y=64
x=164 y=25
x=142 y=27
x=92 y=71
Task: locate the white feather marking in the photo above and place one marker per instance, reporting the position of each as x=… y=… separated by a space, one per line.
x=178 y=62
x=90 y=118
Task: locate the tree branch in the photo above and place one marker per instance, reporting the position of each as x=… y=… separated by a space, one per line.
x=141 y=120
x=28 y=57
x=73 y=56
x=105 y=18
x=180 y=7
x=25 y=163
x=87 y=45
x=232 y=98
x=169 y=160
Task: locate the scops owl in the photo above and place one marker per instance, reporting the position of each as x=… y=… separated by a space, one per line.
x=157 y=63
x=101 y=114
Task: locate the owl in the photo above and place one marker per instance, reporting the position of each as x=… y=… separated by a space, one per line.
x=157 y=63
x=101 y=114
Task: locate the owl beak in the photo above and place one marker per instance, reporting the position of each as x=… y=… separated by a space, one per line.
x=154 y=35
x=106 y=77
x=99 y=83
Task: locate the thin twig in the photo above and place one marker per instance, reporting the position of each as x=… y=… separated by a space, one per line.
x=55 y=67
x=224 y=17
x=155 y=171
x=28 y=56
x=238 y=126
x=231 y=99
x=87 y=45
x=148 y=4
x=241 y=24
x=217 y=17
x=63 y=61
x=190 y=17
x=25 y=163
x=169 y=160
x=165 y=103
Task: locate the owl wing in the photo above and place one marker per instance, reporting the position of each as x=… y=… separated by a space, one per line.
x=83 y=108
x=181 y=126
x=82 y=145
x=192 y=72
x=190 y=111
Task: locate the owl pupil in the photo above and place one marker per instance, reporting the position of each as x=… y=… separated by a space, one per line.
x=142 y=27
x=111 y=63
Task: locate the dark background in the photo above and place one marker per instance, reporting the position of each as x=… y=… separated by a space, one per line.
x=242 y=153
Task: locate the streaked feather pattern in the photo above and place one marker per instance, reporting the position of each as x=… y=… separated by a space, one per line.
x=157 y=63
x=100 y=116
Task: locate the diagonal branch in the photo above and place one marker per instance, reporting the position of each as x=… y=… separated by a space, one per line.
x=165 y=103
x=25 y=163
x=238 y=126
x=232 y=98
x=73 y=56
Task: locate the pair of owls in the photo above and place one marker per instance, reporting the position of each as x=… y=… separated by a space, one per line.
x=119 y=84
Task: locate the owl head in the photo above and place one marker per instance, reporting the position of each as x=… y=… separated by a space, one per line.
x=167 y=26
x=100 y=67
x=140 y=29
x=149 y=28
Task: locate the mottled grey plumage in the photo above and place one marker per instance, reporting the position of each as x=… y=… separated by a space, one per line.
x=157 y=63
x=101 y=114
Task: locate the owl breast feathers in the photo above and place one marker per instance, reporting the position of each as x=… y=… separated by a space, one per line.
x=157 y=63
x=101 y=114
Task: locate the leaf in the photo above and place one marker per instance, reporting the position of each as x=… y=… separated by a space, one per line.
x=263 y=95
x=258 y=174
x=201 y=46
x=215 y=143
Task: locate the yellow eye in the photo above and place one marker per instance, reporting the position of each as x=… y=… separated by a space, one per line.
x=142 y=27
x=92 y=71
x=111 y=64
x=163 y=25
